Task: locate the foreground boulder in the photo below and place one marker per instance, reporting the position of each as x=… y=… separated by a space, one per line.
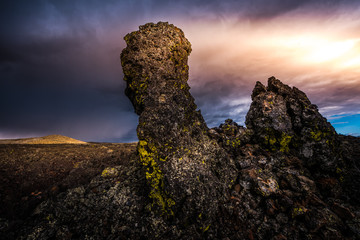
x=288 y=175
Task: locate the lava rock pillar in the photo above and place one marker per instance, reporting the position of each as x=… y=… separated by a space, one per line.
x=188 y=173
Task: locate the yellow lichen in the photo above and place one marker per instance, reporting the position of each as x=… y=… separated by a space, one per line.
x=233 y=142
x=270 y=141
x=148 y=157
x=109 y=172
x=206 y=228
x=316 y=135
x=276 y=142
x=76 y=165
x=339 y=171
x=284 y=142
x=298 y=211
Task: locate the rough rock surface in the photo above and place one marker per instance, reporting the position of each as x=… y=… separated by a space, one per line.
x=288 y=175
x=283 y=118
x=276 y=196
x=295 y=179
x=187 y=172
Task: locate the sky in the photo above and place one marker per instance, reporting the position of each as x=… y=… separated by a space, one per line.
x=60 y=70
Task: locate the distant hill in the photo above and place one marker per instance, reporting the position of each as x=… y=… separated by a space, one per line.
x=50 y=139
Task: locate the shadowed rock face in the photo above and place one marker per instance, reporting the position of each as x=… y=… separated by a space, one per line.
x=188 y=173
x=284 y=119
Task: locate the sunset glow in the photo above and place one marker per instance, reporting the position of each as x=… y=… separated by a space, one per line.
x=326 y=51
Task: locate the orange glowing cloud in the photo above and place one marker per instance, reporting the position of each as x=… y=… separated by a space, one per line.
x=318 y=54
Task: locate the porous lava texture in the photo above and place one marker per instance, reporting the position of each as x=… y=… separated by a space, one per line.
x=284 y=119
x=295 y=181
x=187 y=172
x=288 y=175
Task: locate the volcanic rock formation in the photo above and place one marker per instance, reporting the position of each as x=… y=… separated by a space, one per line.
x=283 y=118
x=188 y=173
x=288 y=175
x=293 y=176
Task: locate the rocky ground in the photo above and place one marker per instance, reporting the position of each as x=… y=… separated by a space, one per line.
x=32 y=173
x=286 y=175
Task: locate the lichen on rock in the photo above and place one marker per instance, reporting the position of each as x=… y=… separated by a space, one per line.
x=283 y=118
x=188 y=173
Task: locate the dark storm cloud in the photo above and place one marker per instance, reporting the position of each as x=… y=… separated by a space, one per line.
x=60 y=70
x=220 y=100
x=58 y=76
x=250 y=9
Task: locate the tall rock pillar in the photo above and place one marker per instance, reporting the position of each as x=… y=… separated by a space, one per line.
x=188 y=173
